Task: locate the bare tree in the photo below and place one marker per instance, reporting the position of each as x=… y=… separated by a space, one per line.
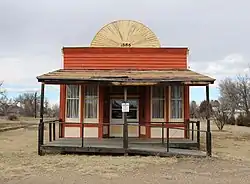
x=194 y=110
x=26 y=102
x=220 y=114
x=203 y=109
x=229 y=94
x=243 y=88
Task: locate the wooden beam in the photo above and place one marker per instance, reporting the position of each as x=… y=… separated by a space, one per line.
x=209 y=137
x=125 y=124
x=41 y=124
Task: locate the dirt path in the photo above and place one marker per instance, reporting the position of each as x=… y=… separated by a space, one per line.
x=19 y=163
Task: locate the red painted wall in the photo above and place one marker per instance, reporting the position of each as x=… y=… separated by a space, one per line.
x=124 y=58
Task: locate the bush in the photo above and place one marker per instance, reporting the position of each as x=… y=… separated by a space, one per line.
x=12 y=117
x=231 y=120
x=243 y=120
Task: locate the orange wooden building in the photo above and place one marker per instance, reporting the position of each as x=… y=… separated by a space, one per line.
x=154 y=81
x=92 y=83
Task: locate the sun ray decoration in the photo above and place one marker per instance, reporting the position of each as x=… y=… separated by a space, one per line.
x=125 y=33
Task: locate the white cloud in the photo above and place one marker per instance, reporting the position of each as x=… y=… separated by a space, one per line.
x=230 y=66
x=23 y=70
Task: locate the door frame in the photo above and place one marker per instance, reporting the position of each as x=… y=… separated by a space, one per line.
x=121 y=120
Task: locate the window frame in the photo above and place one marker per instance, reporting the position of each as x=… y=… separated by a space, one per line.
x=91 y=120
x=121 y=120
x=151 y=105
x=170 y=106
x=72 y=120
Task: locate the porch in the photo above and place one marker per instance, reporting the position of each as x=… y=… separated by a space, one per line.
x=88 y=112
x=52 y=142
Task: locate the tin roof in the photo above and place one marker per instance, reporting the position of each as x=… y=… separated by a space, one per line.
x=126 y=77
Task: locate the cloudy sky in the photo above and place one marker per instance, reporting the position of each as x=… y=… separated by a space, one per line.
x=33 y=32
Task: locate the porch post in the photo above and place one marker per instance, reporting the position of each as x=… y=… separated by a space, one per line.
x=41 y=124
x=209 y=137
x=125 y=124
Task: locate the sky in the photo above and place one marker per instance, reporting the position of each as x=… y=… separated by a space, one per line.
x=33 y=32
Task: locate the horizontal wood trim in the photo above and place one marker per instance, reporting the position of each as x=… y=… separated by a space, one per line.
x=122 y=58
x=80 y=125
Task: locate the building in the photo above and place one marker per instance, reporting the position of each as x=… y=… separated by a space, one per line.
x=96 y=80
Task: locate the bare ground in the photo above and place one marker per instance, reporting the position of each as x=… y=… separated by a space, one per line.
x=20 y=164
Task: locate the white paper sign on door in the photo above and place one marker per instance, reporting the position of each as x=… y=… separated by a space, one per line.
x=125 y=107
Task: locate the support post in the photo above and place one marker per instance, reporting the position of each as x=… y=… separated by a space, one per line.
x=192 y=130
x=35 y=103
x=125 y=124
x=198 y=135
x=162 y=134
x=50 y=132
x=41 y=124
x=54 y=131
x=167 y=139
x=209 y=137
x=82 y=133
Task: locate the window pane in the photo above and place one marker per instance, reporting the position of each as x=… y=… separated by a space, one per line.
x=116 y=104
x=72 y=108
x=72 y=91
x=91 y=108
x=176 y=102
x=133 y=104
x=158 y=108
x=91 y=101
x=72 y=94
x=91 y=91
x=158 y=99
x=158 y=92
x=132 y=114
x=176 y=92
x=116 y=114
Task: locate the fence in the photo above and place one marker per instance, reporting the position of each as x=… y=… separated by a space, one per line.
x=49 y=131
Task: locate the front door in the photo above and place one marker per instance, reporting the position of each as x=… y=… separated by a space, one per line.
x=116 y=118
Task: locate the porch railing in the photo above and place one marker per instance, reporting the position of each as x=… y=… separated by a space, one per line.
x=193 y=132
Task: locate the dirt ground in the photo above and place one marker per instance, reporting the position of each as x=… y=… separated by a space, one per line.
x=19 y=163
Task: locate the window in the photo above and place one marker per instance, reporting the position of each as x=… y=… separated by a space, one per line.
x=72 y=100
x=176 y=102
x=91 y=101
x=116 y=109
x=158 y=101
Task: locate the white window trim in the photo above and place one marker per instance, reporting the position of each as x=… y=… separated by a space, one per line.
x=91 y=120
x=73 y=120
x=178 y=120
x=120 y=121
x=151 y=109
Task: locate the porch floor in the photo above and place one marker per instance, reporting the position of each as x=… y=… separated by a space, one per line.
x=136 y=146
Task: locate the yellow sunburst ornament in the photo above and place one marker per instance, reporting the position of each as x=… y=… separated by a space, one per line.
x=125 y=33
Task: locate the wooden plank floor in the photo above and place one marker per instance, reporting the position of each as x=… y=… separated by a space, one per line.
x=115 y=146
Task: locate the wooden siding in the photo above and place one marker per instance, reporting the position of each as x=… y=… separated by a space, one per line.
x=125 y=58
x=104 y=117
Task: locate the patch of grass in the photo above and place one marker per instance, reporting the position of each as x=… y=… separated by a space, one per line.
x=18 y=158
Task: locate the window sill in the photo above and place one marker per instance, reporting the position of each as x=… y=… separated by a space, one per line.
x=72 y=120
x=176 y=120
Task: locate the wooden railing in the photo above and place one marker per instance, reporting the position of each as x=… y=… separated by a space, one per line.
x=194 y=130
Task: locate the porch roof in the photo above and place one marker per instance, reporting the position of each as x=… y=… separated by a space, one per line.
x=126 y=77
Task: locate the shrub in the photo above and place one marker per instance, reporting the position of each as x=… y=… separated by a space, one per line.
x=243 y=120
x=231 y=120
x=12 y=117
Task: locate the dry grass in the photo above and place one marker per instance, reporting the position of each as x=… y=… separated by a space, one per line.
x=18 y=158
x=19 y=163
x=232 y=143
x=21 y=121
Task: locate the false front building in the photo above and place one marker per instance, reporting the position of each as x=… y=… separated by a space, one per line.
x=96 y=80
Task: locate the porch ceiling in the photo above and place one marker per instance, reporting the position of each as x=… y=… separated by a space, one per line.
x=126 y=77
